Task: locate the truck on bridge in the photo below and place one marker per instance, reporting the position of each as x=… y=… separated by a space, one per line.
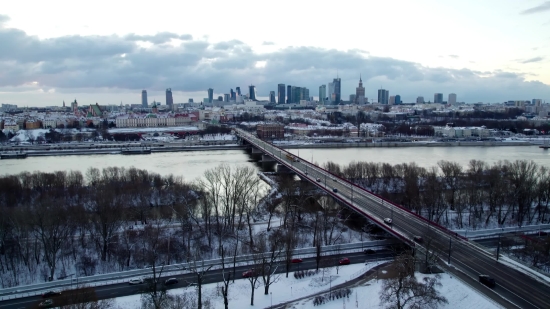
x=292 y=158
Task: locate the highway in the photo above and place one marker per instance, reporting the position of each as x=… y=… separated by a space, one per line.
x=521 y=289
x=186 y=279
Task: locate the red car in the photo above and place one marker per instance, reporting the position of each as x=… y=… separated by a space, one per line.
x=248 y=273
x=297 y=261
x=344 y=261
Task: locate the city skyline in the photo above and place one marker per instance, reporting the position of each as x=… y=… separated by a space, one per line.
x=493 y=54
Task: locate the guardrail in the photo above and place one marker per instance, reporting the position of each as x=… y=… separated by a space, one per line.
x=105 y=279
x=491 y=232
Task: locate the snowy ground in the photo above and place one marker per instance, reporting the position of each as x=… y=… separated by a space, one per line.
x=365 y=296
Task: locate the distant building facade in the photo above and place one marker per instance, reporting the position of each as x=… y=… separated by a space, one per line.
x=398 y=99
x=360 y=92
x=383 y=96
x=272 y=97
x=210 y=95
x=281 y=93
x=452 y=98
x=322 y=93
x=420 y=100
x=438 y=97
x=169 y=99
x=252 y=92
x=270 y=131
x=144 y=103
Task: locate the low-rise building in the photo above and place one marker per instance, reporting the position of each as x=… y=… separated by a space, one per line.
x=270 y=131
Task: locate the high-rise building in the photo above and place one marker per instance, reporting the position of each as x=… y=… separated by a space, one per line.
x=392 y=100
x=220 y=98
x=438 y=97
x=233 y=95
x=210 y=95
x=169 y=99
x=296 y=94
x=304 y=94
x=398 y=99
x=420 y=100
x=322 y=93
x=238 y=89
x=331 y=93
x=226 y=97
x=252 y=92
x=288 y=94
x=360 y=93
x=452 y=98
x=281 y=93
x=272 y=97
x=383 y=96
x=144 y=103
x=337 y=89
x=352 y=98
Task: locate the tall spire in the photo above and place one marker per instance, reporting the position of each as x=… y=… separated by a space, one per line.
x=360 y=79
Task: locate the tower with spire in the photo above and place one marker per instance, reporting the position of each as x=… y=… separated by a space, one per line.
x=360 y=92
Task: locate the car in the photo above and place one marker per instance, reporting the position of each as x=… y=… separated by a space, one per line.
x=248 y=273
x=344 y=261
x=335 y=190
x=369 y=251
x=171 y=281
x=488 y=281
x=333 y=179
x=418 y=239
x=135 y=281
x=388 y=220
x=318 y=179
x=46 y=304
x=51 y=293
x=296 y=260
x=305 y=173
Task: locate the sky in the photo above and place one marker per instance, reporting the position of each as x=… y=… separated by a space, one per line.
x=108 y=51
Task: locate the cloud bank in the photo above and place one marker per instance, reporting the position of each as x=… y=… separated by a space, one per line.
x=155 y=62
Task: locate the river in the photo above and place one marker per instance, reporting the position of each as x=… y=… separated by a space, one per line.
x=192 y=164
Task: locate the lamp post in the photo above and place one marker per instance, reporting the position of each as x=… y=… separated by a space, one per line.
x=271 y=294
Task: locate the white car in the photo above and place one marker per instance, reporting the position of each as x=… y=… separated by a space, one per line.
x=387 y=220
x=135 y=281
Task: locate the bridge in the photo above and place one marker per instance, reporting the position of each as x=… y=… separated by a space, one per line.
x=521 y=289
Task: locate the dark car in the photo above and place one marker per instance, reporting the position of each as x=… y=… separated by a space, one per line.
x=171 y=281
x=297 y=261
x=418 y=239
x=344 y=261
x=248 y=273
x=369 y=251
x=335 y=190
x=51 y=293
x=488 y=281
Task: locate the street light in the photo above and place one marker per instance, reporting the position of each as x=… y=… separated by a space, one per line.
x=271 y=294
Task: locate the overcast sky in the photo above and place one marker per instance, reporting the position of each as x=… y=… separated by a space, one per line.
x=108 y=51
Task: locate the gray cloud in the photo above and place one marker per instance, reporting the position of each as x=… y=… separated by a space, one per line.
x=115 y=64
x=531 y=60
x=159 y=38
x=538 y=9
x=268 y=43
x=4 y=18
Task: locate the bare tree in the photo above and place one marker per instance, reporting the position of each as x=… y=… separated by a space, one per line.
x=404 y=291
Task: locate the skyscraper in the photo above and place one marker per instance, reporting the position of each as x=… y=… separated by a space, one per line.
x=392 y=100
x=360 y=92
x=252 y=92
x=233 y=94
x=352 y=98
x=296 y=94
x=452 y=98
x=288 y=94
x=272 y=97
x=397 y=100
x=169 y=99
x=322 y=93
x=238 y=89
x=420 y=100
x=210 y=95
x=337 y=89
x=144 y=99
x=331 y=92
x=281 y=93
x=383 y=96
x=226 y=97
x=438 y=97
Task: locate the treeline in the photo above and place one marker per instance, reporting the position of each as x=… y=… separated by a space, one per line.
x=477 y=196
x=70 y=224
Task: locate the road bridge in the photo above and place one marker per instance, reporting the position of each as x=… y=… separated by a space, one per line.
x=524 y=290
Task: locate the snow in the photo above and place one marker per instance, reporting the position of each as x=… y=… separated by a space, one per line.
x=458 y=294
x=152 y=129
